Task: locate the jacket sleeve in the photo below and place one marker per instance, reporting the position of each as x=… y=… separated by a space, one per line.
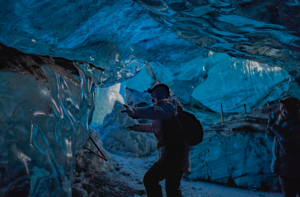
x=162 y=112
x=285 y=134
x=143 y=128
x=269 y=135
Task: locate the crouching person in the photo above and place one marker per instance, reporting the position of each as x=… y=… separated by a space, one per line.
x=174 y=150
x=285 y=134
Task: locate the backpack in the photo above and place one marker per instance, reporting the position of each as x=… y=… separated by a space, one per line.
x=190 y=127
x=183 y=124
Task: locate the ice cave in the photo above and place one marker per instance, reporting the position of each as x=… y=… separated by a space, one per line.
x=68 y=67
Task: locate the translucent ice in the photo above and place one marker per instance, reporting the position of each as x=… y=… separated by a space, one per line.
x=258 y=30
x=46 y=107
x=104 y=102
x=235 y=82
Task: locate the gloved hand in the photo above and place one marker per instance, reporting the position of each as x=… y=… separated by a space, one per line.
x=130 y=128
x=128 y=110
x=271 y=122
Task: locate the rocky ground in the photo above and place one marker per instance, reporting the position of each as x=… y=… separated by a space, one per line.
x=125 y=180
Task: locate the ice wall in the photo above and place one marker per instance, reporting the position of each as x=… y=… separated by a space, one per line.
x=237 y=153
x=43 y=124
x=142 y=81
x=104 y=101
x=235 y=82
x=46 y=106
x=106 y=97
x=204 y=83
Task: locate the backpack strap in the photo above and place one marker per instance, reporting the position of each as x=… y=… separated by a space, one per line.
x=177 y=117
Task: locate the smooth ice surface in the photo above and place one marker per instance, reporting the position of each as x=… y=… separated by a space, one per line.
x=40 y=134
x=204 y=83
x=142 y=81
x=183 y=78
x=104 y=101
x=235 y=82
x=46 y=107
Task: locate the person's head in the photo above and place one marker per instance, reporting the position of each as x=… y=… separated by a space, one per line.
x=289 y=107
x=159 y=92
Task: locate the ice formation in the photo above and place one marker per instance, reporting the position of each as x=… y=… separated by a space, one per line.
x=105 y=32
x=47 y=103
x=235 y=82
x=220 y=79
x=265 y=31
x=117 y=139
x=104 y=102
x=236 y=153
x=44 y=121
x=142 y=81
x=100 y=32
x=46 y=106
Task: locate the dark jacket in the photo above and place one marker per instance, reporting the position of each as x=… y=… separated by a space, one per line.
x=174 y=149
x=286 y=148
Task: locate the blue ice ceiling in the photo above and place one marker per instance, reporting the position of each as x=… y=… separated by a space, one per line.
x=266 y=31
x=105 y=32
x=192 y=45
x=100 y=32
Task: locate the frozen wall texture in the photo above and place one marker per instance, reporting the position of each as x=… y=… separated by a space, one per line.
x=234 y=82
x=203 y=84
x=105 y=32
x=266 y=31
x=203 y=49
x=44 y=119
x=173 y=36
x=237 y=153
x=104 y=102
x=46 y=106
x=100 y=32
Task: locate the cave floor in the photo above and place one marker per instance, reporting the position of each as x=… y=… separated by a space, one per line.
x=126 y=181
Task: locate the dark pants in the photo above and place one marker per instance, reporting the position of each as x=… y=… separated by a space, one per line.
x=159 y=172
x=290 y=186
